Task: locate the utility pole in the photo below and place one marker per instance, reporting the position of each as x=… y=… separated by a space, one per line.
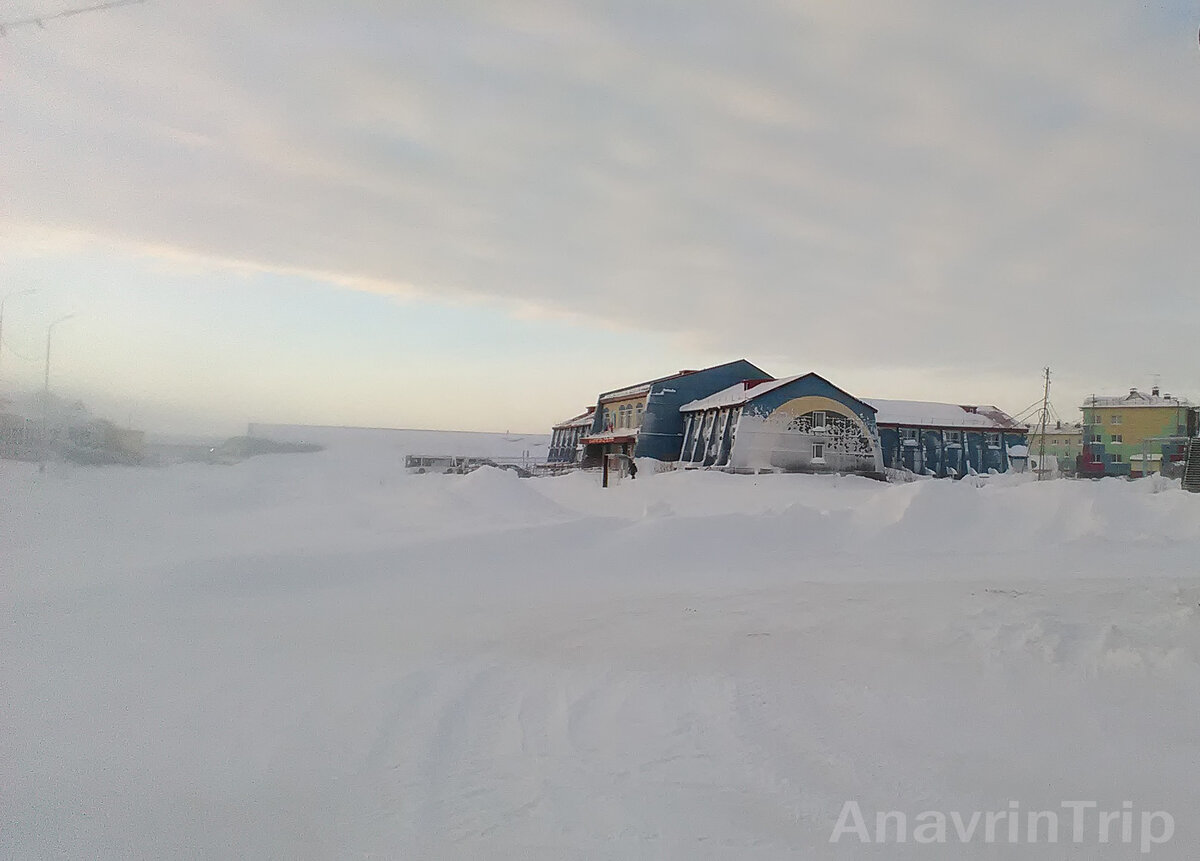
x=1043 y=419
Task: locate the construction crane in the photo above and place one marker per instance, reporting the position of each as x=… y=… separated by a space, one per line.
x=40 y=20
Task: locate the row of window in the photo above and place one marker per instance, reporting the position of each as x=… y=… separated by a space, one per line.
x=842 y=434
x=1097 y=419
x=625 y=416
x=708 y=438
x=566 y=438
x=910 y=434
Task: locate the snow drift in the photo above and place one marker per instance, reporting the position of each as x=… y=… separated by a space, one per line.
x=319 y=655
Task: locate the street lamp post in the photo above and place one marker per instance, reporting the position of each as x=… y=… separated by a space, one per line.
x=4 y=299
x=45 y=443
x=49 y=332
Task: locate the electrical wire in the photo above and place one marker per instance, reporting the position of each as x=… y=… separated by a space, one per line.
x=40 y=20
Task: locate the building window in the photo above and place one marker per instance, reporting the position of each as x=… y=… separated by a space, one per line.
x=1115 y=419
x=954 y=436
x=638 y=411
x=1117 y=438
x=818 y=420
x=818 y=451
x=993 y=439
x=1116 y=458
x=607 y=419
x=908 y=433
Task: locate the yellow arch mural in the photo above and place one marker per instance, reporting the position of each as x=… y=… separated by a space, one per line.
x=785 y=412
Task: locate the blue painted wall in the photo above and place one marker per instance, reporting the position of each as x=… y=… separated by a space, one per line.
x=661 y=436
x=1011 y=439
x=975 y=454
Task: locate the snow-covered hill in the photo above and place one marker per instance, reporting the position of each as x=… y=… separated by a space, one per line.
x=317 y=655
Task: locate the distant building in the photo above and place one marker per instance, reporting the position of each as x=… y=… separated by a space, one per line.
x=643 y=420
x=22 y=438
x=99 y=441
x=566 y=437
x=1135 y=434
x=947 y=440
x=1063 y=446
x=736 y=417
x=795 y=424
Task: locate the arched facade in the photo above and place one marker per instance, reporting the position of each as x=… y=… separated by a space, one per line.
x=800 y=424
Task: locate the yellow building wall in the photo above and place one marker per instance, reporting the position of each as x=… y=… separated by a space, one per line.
x=614 y=409
x=1059 y=445
x=1135 y=425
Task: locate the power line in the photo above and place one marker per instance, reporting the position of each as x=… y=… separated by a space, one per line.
x=1028 y=411
x=40 y=20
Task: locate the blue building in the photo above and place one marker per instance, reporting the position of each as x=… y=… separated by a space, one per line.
x=566 y=437
x=738 y=418
x=948 y=440
x=796 y=424
x=643 y=420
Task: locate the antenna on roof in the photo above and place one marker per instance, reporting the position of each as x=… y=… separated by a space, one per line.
x=40 y=20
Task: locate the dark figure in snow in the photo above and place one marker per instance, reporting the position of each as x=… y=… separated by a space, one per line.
x=632 y=469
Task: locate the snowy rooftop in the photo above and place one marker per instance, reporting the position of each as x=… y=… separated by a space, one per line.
x=645 y=388
x=584 y=419
x=1137 y=399
x=613 y=433
x=738 y=393
x=916 y=413
x=631 y=392
x=932 y=414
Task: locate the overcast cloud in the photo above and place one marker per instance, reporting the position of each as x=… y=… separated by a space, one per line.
x=917 y=185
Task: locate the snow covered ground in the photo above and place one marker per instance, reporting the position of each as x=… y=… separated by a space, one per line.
x=319 y=656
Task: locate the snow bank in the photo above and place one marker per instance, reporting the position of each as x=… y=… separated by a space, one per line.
x=321 y=656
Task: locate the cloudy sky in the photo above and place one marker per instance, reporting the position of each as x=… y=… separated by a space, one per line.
x=476 y=215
